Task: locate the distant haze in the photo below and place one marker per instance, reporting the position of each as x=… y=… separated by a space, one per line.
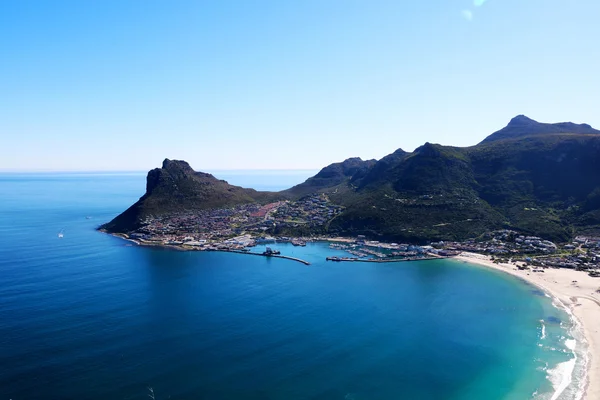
x=269 y=180
x=112 y=85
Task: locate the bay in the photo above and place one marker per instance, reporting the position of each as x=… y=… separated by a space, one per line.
x=90 y=316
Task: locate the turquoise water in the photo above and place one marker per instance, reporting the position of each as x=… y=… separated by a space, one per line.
x=90 y=316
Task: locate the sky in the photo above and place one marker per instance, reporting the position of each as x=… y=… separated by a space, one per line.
x=103 y=85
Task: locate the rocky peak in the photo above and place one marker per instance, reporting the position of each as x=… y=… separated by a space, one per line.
x=177 y=166
x=521 y=120
x=428 y=149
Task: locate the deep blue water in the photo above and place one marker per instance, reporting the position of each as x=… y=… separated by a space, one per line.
x=90 y=316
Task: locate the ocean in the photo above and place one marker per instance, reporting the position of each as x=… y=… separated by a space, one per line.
x=91 y=316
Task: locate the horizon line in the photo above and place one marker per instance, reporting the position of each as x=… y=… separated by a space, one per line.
x=126 y=171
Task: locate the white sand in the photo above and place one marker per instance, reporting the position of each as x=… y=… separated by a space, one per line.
x=581 y=297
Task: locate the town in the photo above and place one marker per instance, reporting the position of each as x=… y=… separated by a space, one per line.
x=583 y=253
x=235 y=227
x=242 y=227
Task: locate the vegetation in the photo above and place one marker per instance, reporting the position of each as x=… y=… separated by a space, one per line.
x=177 y=188
x=331 y=176
x=540 y=179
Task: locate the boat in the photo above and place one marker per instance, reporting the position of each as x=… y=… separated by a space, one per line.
x=271 y=252
x=60 y=235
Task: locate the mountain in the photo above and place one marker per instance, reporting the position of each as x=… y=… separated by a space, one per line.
x=522 y=126
x=540 y=179
x=429 y=194
x=331 y=176
x=177 y=187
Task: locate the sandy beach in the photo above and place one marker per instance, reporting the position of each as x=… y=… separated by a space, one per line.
x=580 y=296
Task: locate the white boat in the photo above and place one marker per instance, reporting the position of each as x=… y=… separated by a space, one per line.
x=60 y=235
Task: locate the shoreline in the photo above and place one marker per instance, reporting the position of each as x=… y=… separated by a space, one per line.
x=576 y=290
x=183 y=248
x=334 y=240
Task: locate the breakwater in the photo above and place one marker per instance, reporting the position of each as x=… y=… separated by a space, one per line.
x=270 y=255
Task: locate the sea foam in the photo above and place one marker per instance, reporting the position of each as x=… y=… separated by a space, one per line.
x=561 y=377
x=568 y=378
x=543 y=330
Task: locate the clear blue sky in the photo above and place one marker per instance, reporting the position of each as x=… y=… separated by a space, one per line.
x=120 y=85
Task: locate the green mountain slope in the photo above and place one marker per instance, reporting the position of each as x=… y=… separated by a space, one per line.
x=542 y=184
x=535 y=180
x=541 y=179
x=429 y=194
x=331 y=176
x=522 y=126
